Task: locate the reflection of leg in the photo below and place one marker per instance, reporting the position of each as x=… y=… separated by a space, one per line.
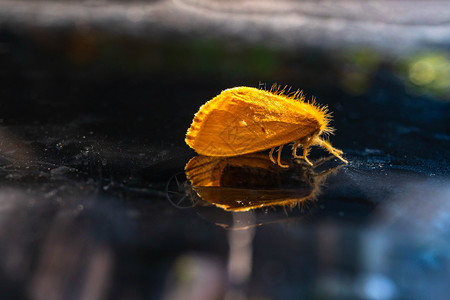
x=322 y=160
x=271 y=156
x=326 y=145
x=329 y=171
x=279 y=158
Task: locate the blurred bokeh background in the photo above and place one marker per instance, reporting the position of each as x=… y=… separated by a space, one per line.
x=96 y=97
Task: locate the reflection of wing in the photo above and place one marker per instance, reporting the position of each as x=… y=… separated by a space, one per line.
x=208 y=171
x=233 y=123
x=248 y=182
x=236 y=199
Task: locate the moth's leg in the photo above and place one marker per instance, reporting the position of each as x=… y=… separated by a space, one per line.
x=303 y=143
x=279 y=158
x=305 y=154
x=294 y=150
x=306 y=144
x=271 y=156
x=331 y=149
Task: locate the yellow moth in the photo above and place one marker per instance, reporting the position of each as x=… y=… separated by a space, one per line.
x=245 y=120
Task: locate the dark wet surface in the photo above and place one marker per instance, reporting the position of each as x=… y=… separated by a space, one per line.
x=95 y=204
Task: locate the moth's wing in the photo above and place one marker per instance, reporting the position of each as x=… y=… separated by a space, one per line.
x=230 y=125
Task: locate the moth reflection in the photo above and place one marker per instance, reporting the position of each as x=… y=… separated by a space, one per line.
x=252 y=181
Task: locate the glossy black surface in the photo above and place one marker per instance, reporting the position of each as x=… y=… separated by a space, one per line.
x=94 y=203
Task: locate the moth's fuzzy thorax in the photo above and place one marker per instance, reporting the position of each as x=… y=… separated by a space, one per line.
x=317 y=111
